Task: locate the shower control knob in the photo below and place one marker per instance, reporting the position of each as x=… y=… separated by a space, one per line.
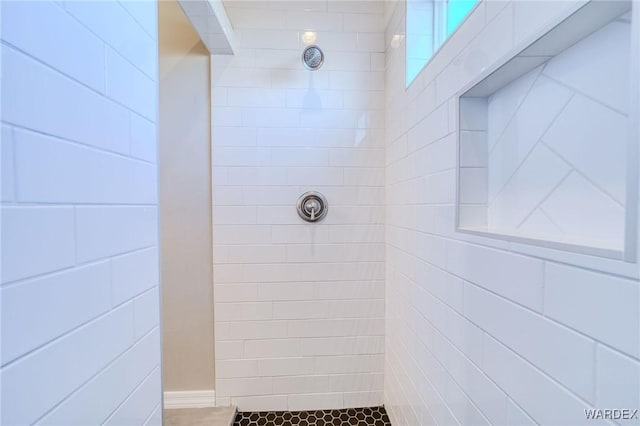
x=312 y=206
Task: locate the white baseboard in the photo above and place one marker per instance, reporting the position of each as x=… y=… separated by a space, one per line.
x=190 y=399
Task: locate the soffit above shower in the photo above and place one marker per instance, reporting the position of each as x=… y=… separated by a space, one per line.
x=210 y=20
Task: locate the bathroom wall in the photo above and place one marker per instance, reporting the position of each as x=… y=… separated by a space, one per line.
x=79 y=281
x=185 y=203
x=299 y=307
x=483 y=331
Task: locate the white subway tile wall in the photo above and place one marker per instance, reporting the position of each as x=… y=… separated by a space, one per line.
x=299 y=307
x=79 y=281
x=382 y=302
x=476 y=332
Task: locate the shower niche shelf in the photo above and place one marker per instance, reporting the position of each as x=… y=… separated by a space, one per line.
x=547 y=139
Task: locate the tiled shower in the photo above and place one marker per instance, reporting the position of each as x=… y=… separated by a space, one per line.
x=299 y=306
x=478 y=262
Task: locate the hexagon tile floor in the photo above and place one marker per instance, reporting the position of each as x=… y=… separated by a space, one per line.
x=369 y=416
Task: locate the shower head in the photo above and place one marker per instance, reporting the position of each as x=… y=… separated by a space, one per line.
x=312 y=57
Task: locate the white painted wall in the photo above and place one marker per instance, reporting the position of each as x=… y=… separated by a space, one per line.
x=79 y=280
x=184 y=156
x=299 y=307
x=483 y=331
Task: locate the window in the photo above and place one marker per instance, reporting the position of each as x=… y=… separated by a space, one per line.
x=429 y=23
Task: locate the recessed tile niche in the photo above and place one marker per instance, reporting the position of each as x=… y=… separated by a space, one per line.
x=544 y=138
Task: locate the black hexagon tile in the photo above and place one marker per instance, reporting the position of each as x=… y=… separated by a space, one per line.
x=367 y=416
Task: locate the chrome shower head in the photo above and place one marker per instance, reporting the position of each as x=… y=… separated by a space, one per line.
x=312 y=57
